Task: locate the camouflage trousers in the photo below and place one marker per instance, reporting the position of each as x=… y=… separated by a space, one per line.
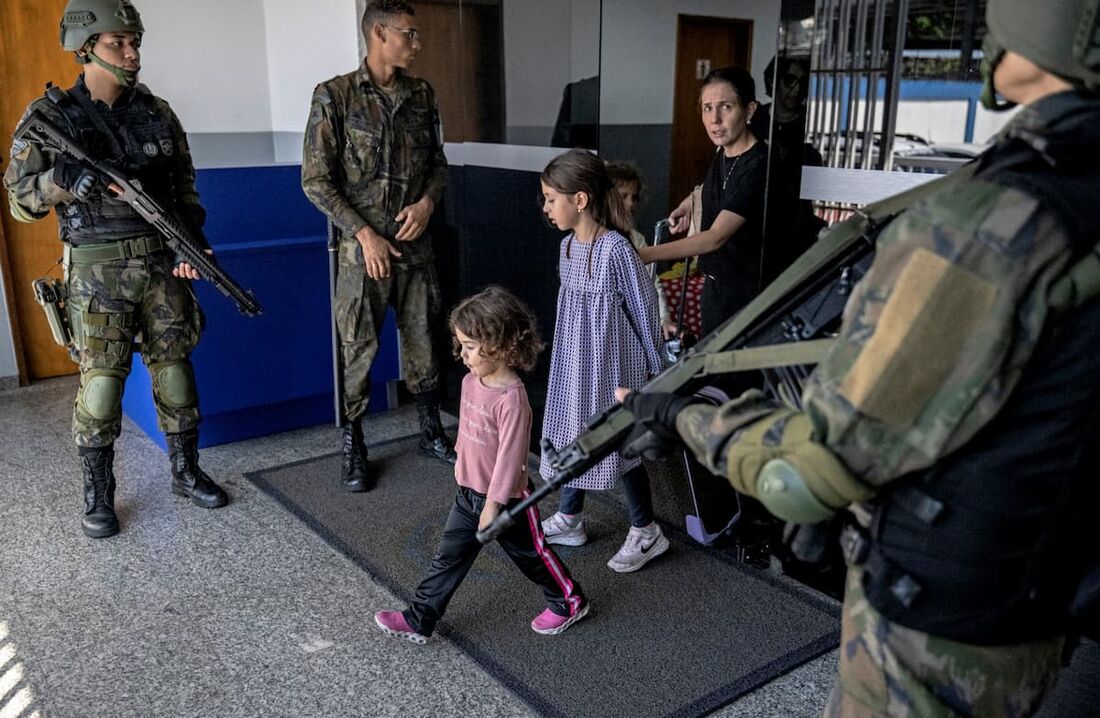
x=360 y=308
x=889 y=670
x=109 y=305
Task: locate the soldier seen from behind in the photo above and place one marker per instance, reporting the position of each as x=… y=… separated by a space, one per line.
x=122 y=280
x=373 y=163
x=956 y=414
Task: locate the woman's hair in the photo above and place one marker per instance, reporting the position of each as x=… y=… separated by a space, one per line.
x=738 y=78
x=581 y=171
x=625 y=173
x=502 y=323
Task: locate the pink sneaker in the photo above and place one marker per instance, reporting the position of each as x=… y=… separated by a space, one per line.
x=394 y=623
x=549 y=623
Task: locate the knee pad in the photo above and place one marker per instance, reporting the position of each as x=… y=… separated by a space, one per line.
x=101 y=394
x=174 y=383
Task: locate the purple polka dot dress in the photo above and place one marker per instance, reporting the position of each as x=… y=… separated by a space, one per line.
x=606 y=335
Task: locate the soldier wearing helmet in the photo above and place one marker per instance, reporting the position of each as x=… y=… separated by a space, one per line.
x=121 y=278
x=956 y=414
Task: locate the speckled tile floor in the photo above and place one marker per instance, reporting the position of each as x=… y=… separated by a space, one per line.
x=241 y=611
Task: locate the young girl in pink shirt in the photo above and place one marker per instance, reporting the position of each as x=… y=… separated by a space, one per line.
x=494 y=334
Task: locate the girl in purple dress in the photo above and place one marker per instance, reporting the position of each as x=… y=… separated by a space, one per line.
x=606 y=335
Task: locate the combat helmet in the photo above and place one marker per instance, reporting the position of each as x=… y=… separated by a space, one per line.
x=1060 y=36
x=84 y=19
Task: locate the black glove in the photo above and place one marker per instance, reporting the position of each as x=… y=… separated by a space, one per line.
x=654 y=433
x=75 y=177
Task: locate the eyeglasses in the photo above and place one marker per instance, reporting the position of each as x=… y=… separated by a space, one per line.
x=410 y=32
x=791 y=79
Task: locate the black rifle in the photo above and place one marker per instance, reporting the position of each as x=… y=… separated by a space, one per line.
x=40 y=130
x=785 y=328
x=337 y=356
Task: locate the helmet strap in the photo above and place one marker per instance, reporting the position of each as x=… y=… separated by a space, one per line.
x=992 y=56
x=125 y=78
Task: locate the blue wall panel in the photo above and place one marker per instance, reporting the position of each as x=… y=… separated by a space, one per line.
x=261 y=375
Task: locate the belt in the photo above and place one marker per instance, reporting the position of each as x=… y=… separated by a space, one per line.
x=121 y=249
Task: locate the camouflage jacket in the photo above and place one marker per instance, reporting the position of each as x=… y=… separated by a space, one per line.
x=936 y=336
x=153 y=149
x=365 y=159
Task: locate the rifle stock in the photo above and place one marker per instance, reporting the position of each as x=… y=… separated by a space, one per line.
x=40 y=130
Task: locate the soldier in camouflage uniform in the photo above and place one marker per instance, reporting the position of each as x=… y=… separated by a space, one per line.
x=122 y=280
x=957 y=413
x=373 y=163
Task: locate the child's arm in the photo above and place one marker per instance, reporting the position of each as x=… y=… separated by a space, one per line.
x=513 y=417
x=488 y=514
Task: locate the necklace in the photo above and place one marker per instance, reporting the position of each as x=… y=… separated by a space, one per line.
x=729 y=171
x=732 y=165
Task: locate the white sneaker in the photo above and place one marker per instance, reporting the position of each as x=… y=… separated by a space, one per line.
x=642 y=545
x=558 y=531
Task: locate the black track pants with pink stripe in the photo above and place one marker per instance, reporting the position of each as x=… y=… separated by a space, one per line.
x=458 y=548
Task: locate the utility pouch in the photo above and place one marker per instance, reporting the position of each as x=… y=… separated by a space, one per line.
x=51 y=295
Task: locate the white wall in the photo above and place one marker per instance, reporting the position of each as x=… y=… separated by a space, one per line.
x=639 y=53
x=584 y=48
x=208 y=59
x=533 y=82
x=307 y=43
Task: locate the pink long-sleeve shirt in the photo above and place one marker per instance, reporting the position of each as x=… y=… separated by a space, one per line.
x=494 y=436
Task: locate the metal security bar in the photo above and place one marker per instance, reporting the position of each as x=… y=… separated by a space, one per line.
x=856 y=55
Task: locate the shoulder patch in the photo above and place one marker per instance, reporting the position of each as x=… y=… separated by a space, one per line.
x=931 y=315
x=20 y=149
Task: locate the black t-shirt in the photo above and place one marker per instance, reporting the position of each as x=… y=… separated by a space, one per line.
x=736 y=184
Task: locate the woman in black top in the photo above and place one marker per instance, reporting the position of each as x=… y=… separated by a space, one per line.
x=730 y=245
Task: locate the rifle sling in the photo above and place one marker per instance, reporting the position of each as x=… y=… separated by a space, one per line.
x=766 y=357
x=97 y=119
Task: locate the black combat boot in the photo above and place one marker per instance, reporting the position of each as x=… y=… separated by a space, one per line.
x=355 y=473
x=433 y=442
x=187 y=478
x=99 y=492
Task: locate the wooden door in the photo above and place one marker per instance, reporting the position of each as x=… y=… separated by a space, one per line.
x=702 y=44
x=461 y=57
x=30 y=55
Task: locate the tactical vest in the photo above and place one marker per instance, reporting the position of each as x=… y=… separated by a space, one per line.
x=139 y=141
x=990 y=546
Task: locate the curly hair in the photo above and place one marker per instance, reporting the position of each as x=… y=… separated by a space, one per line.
x=502 y=323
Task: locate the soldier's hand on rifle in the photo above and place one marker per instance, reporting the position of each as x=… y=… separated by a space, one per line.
x=75 y=177
x=654 y=433
x=376 y=252
x=415 y=218
x=184 y=270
